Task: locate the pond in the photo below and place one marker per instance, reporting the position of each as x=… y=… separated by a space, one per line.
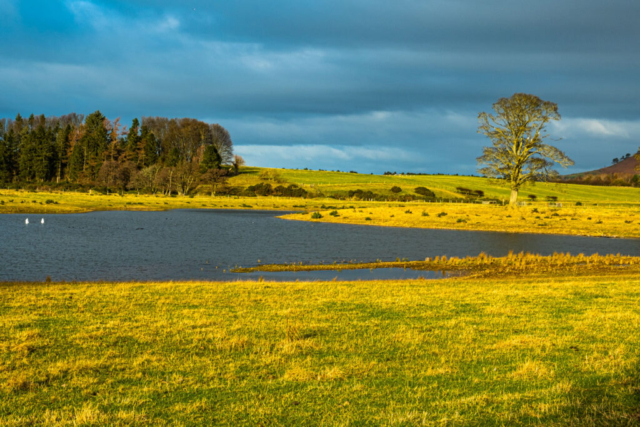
x=205 y=244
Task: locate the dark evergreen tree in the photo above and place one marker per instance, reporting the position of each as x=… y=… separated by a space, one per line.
x=6 y=168
x=210 y=160
x=28 y=152
x=76 y=162
x=10 y=157
x=133 y=142
x=173 y=159
x=149 y=152
x=95 y=142
x=62 y=149
x=44 y=152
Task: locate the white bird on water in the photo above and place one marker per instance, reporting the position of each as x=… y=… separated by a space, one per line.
x=42 y=221
x=26 y=221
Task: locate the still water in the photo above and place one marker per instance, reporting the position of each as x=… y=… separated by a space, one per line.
x=205 y=244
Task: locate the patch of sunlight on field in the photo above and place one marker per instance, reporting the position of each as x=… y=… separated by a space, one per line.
x=549 y=351
x=621 y=221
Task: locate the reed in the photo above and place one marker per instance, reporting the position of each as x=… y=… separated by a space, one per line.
x=484 y=265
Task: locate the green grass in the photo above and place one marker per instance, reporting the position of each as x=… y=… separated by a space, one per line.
x=443 y=185
x=542 y=351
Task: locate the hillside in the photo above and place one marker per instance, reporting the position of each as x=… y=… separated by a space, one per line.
x=444 y=186
x=625 y=167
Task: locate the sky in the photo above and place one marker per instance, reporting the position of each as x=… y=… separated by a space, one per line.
x=364 y=85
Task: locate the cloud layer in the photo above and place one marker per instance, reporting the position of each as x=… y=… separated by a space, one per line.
x=352 y=84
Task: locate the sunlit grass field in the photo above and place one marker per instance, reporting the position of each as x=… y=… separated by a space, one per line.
x=326 y=183
x=444 y=186
x=72 y=202
x=544 y=351
x=614 y=221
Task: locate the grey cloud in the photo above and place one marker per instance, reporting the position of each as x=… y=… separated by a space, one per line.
x=317 y=73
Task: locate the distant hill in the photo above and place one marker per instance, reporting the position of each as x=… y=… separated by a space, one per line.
x=624 y=167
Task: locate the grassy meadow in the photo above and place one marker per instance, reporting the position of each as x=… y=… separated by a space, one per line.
x=444 y=186
x=609 y=221
x=498 y=351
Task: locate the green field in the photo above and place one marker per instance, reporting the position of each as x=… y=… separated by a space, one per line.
x=443 y=185
x=542 y=351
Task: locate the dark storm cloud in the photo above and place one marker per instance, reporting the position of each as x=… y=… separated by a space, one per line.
x=349 y=75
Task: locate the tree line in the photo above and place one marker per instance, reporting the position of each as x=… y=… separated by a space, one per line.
x=156 y=153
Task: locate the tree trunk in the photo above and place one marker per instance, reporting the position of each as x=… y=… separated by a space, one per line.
x=514 y=197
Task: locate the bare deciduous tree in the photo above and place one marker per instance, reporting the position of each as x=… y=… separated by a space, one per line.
x=187 y=175
x=517 y=132
x=165 y=180
x=221 y=139
x=238 y=161
x=215 y=178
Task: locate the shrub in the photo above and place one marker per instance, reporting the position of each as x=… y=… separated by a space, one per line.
x=333 y=213
x=425 y=213
x=396 y=189
x=465 y=191
x=578 y=203
x=552 y=198
x=424 y=191
x=367 y=219
x=532 y=197
x=441 y=214
x=408 y=211
x=262 y=189
x=365 y=195
x=290 y=191
x=469 y=192
x=316 y=215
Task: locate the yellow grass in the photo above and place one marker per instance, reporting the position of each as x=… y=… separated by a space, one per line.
x=72 y=202
x=620 y=221
x=485 y=265
x=543 y=351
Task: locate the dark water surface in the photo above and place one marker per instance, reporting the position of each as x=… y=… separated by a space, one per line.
x=190 y=244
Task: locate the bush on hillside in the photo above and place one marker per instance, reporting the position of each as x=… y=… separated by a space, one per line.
x=423 y=191
x=469 y=192
x=265 y=189
x=396 y=189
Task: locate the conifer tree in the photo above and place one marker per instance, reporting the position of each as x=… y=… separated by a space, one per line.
x=210 y=160
x=133 y=142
